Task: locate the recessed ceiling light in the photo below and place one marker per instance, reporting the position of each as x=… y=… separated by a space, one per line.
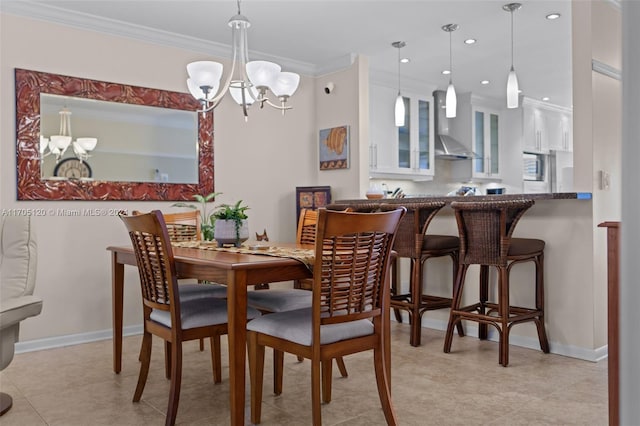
x=470 y=41
x=553 y=16
x=405 y=60
x=519 y=90
x=484 y=82
x=446 y=72
x=546 y=98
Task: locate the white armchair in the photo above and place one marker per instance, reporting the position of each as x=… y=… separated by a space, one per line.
x=17 y=281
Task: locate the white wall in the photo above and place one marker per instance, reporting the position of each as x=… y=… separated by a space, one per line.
x=260 y=162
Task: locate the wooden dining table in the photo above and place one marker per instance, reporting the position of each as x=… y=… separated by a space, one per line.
x=237 y=271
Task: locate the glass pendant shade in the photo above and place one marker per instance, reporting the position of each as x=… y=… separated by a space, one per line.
x=236 y=94
x=399 y=111
x=61 y=143
x=451 y=101
x=88 y=144
x=263 y=73
x=205 y=73
x=512 y=89
x=44 y=142
x=286 y=84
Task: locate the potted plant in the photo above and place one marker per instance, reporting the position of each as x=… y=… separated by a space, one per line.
x=231 y=225
x=206 y=219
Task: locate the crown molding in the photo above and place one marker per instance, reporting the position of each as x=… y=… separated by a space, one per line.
x=84 y=21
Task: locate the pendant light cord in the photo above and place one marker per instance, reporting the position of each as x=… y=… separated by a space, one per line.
x=400 y=47
x=511 y=39
x=238 y=1
x=450 y=60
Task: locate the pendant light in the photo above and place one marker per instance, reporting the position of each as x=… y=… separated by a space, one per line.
x=451 y=101
x=512 y=80
x=399 y=109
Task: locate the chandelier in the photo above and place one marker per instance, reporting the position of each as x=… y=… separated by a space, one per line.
x=59 y=143
x=248 y=82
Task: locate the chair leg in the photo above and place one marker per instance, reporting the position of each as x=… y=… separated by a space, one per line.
x=342 y=367
x=145 y=360
x=216 y=358
x=394 y=288
x=326 y=380
x=416 y=298
x=455 y=259
x=542 y=334
x=315 y=392
x=167 y=360
x=455 y=305
x=384 y=389
x=278 y=371
x=483 y=331
x=256 y=372
x=176 y=379
x=503 y=313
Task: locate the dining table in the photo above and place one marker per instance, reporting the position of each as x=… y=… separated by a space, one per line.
x=237 y=269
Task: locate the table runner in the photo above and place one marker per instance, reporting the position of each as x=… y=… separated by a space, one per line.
x=306 y=256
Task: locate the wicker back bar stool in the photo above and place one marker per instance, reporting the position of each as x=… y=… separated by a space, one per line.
x=413 y=242
x=486 y=229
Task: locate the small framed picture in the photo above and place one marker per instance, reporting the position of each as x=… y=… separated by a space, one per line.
x=311 y=198
x=334 y=148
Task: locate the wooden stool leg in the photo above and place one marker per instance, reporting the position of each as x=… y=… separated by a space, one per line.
x=503 y=313
x=455 y=259
x=542 y=334
x=394 y=286
x=455 y=305
x=416 y=298
x=484 y=296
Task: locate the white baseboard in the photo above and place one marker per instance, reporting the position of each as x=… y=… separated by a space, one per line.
x=593 y=355
x=73 y=339
x=471 y=329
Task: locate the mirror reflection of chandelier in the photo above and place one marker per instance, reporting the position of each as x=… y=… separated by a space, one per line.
x=252 y=81
x=59 y=143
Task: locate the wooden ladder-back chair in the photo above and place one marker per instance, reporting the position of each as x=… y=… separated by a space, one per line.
x=164 y=313
x=350 y=307
x=486 y=230
x=413 y=242
x=185 y=226
x=281 y=300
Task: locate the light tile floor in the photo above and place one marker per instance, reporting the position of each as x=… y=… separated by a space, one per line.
x=76 y=386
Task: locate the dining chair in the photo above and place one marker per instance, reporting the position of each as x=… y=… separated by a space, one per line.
x=185 y=226
x=282 y=300
x=165 y=314
x=349 y=307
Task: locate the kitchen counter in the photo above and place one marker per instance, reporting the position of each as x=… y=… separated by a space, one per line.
x=449 y=199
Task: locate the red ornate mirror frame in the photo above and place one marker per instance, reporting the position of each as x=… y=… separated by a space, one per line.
x=29 y=86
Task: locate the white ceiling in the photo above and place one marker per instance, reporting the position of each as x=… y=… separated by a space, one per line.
x=313 y=36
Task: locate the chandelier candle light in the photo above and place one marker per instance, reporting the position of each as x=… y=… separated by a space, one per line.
x=451 y=101
x=247 y=82
x=512 y=80
x=58 y=144
x=399 y=108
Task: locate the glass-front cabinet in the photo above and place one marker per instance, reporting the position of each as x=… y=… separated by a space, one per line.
x=404 y=152
x=486 y=142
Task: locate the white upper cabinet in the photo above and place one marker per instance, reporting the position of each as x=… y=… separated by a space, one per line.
x=546 y=127
x=478 y=121
x=400 y=152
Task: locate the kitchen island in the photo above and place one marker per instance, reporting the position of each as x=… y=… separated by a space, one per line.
x=575 y=272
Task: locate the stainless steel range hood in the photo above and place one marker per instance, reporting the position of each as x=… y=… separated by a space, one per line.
x=446 y=147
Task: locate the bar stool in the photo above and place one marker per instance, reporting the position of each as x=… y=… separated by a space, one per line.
x=413 y=242
x=486 y=229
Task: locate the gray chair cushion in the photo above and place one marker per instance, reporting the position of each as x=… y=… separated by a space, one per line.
x=197 y=291
x=279 y=300
x=200 y=312
x=295 y=326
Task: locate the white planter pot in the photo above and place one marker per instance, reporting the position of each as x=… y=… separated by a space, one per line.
x=225 y=232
